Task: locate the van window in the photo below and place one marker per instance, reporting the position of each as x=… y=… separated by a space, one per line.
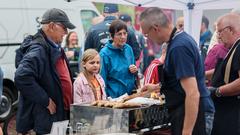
x=86 y=16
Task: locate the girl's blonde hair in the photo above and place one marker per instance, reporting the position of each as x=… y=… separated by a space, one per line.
x=89 y=54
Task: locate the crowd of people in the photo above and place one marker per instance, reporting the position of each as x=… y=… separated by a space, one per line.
x=201 y=87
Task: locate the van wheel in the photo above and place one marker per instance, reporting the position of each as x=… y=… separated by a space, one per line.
x=6 y=104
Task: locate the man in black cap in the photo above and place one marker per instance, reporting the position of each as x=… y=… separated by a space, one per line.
x=98 y=35
x=43 y=76
x=139 y=36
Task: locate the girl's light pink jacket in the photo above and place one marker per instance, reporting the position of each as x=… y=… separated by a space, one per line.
x=82 y=92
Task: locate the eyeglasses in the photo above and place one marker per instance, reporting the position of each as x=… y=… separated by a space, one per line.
x=121 y=34
x=62 y=26
x=221 y=30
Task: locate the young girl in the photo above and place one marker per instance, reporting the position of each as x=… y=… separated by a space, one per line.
x=89 y=85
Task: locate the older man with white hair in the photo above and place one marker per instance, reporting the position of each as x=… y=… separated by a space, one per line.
x=226 y=78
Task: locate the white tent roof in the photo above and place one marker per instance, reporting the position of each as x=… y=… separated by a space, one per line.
x=192 y=9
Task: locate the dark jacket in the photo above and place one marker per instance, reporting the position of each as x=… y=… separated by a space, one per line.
x=98 y=36
x=37 y=80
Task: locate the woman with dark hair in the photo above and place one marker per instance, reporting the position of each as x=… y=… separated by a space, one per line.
x=72 y=48
x=118 y=67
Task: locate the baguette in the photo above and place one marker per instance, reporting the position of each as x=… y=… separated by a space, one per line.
x=110 y=104
x=126 y=105
x=101 y=103
x=94 y=103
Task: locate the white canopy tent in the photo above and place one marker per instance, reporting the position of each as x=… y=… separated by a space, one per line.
x=192 y=9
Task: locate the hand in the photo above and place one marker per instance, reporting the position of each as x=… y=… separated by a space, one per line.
x=69 y=54
x=151 y=87
x=133 y=68
x=51 y=106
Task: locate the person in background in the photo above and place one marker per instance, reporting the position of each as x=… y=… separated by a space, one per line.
x=43 y=77
x=98 y=35
x=151 y=74
x=72 y=48
x=89 y=85
x=118 y=67
x=97 y=20
x=183 y=84
x=180 y=23
x=73 y=51
x=218 y=51
x=226 y=78
x=214 y=39
x=205 y=37
x=215 y=53
x=139 y=36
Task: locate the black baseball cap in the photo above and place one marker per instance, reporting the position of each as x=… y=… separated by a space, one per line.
x=125 y=17
x=57 y=15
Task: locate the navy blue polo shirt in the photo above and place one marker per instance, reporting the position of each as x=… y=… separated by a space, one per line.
x=183 y=60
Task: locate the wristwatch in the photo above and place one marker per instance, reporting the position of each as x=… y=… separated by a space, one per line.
x=218 y=93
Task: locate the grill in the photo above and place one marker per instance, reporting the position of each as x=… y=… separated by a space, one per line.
x=85 y=118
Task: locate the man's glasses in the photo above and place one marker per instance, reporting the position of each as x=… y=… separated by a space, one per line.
x=62 y=26
x=221 y=30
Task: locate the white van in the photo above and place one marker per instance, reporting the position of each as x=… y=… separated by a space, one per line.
x=19 y=18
